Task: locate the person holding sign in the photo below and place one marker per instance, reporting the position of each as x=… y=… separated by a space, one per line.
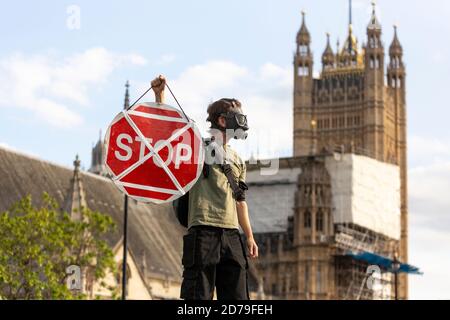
x=214 y=254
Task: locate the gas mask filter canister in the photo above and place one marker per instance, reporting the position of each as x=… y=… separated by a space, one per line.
x=236 y=121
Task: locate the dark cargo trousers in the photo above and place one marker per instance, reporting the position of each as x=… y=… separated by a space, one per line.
x=214 y=257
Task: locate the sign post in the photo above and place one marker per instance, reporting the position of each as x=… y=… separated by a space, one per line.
x=125 y=248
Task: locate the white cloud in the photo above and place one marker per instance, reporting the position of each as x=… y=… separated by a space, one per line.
x=5 y=145
x=270 y=71
x=49 y=86
x=210 y=77
x=429 y=250
x=133 y=58
x=429 y=181
x=166 y=59
x=425 y=151
x=9 y=147
x=429 y=217
x=428 y=191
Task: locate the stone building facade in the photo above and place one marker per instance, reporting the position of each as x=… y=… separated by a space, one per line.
x=357 y=105
x=359 y=101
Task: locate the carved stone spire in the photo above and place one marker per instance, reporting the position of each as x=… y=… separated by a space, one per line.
x=75 y=199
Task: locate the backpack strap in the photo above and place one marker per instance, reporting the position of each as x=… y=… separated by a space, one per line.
x=205 y=170
x=238 y=189
x=206 y=167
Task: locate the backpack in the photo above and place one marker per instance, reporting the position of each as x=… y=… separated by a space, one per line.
x=181 y=208
x=181 y=205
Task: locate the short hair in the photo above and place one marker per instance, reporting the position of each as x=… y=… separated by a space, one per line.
x=218 y=107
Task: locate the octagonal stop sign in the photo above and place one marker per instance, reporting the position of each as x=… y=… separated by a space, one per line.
x=153 y=153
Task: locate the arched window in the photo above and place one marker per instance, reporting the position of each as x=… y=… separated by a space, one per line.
x=373 y=42
x=396 y=62
x=303 y=71
x=307 y=219
x=319 y=221
x=303 y=49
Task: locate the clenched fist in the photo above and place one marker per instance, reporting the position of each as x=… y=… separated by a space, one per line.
x=159 y=84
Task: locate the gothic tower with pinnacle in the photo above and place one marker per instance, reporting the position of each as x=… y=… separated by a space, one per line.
x=357 y=104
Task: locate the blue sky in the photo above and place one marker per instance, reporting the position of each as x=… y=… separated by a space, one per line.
x=60 y=86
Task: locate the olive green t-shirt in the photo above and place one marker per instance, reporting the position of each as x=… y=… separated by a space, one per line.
x=211 y=199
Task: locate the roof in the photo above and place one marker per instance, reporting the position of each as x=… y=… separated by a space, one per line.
x=154 y=231
x=384 y=262
x=374 y=24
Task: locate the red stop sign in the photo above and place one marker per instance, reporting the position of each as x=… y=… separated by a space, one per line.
x=153 y=153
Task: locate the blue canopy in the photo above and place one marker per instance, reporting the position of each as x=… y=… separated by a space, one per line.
x=383 y=262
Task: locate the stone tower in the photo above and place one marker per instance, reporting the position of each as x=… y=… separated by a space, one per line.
x=355 y=105
x=98 y=157
x=313 y=228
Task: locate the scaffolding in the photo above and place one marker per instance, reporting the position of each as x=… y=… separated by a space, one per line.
x=356 y=279
x=352 y=281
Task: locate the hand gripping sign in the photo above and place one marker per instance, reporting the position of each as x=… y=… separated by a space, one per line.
x=153 y=152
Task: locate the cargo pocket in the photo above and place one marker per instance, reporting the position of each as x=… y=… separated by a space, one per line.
x=243 y=259
x=189 y=241
x=245 y=265
x=189 y=285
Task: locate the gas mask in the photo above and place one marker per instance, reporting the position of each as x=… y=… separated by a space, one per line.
x=237 y=122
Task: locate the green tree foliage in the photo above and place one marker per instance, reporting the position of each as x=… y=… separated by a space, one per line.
x=38 y=244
